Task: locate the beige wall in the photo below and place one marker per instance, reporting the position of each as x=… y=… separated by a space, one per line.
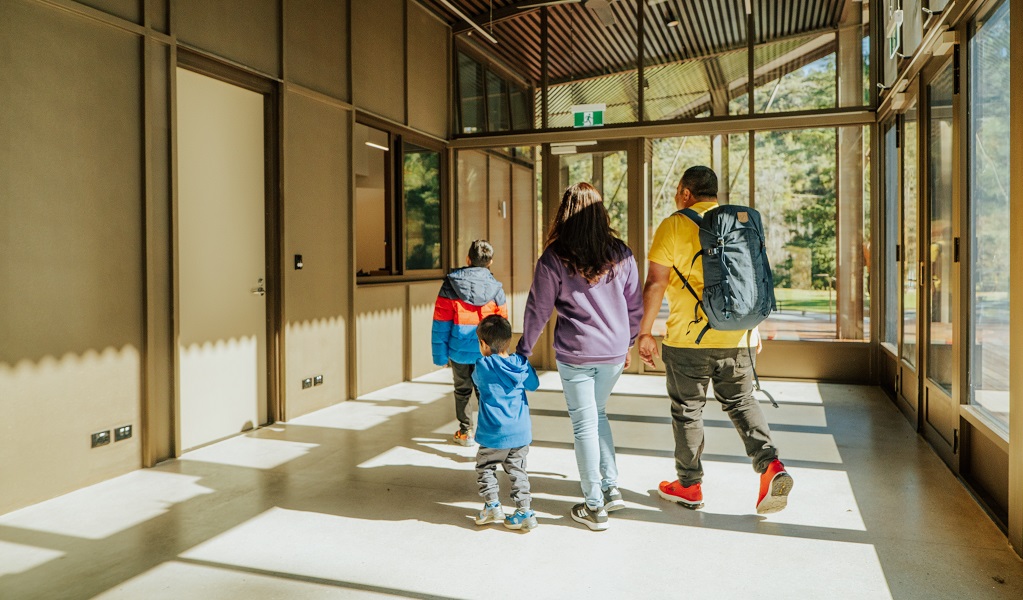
x=380 y=313
x=378 y=57
x=421 y=298
x=71 y=277
x=86 y=205
x=244 y=31
x=316 y=304
x=428 y=68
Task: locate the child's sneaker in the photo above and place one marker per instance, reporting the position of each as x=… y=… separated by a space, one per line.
x=523 y=518
x=775 y=485
x=613 y=499
x=595 y=519
x=688 y=496
x=462 y=438
x=491 y=513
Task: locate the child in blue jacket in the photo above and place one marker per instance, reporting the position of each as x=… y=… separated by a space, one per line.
x=467 y=296
x=503 y=430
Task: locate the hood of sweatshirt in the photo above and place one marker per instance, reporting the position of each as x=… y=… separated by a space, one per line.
x=475 y=285
x=510 y=372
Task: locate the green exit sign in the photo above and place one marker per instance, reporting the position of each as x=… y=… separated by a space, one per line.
x=589 y=115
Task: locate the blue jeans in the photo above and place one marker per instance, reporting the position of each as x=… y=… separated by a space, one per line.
x=587 y=388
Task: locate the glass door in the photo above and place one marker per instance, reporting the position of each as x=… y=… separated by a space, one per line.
x=941 y=413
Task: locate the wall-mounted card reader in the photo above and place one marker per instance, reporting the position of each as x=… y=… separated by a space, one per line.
x=298 y=262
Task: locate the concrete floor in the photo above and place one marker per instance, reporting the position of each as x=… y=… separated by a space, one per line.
x=368 y=499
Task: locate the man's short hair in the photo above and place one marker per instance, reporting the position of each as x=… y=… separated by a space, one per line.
x=481 y=253
x=701 y=181
x=495 y=331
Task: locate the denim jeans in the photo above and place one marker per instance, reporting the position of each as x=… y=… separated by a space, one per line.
x=587 y=388
x=689 y=371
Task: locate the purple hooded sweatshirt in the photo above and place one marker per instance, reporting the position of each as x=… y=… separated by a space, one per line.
x=597 y=323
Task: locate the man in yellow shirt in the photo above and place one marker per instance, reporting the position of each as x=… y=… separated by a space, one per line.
x=691 y=362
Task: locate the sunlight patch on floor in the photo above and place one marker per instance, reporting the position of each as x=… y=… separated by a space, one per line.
x=18 y=558
x=250 y=452
x=405 y=553
x=354 y=415
x=108 y=508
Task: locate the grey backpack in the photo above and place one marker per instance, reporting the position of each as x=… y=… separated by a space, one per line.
x=738 y=287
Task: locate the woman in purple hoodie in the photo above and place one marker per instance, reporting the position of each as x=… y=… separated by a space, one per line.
x=590 y=277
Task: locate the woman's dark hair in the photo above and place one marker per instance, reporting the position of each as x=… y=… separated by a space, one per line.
x=581 y=234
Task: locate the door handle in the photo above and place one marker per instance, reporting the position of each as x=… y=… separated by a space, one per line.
x=259 y=290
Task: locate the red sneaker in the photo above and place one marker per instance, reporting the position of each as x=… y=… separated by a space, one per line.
x=775 y=485
x=688 y=496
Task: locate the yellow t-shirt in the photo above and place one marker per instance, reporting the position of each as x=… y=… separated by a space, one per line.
x=676 y=242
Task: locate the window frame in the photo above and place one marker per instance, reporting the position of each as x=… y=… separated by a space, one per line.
x=395 y=209
x=510 y=80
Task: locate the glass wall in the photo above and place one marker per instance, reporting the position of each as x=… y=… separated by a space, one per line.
x=910 y=249
x=696 y=61
x=679 y=83
x=989 y=212
x=489 y=102
x=821 y=289
x=471 y=115
x=614 y=187
x=940 y=364
x=890 y=332
x=796 y=196
x=593 y=58
x=796 y=74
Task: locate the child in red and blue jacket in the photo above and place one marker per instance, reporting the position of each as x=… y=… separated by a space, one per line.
x=468 y=295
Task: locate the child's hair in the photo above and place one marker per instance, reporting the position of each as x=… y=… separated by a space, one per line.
x=495 y=331
x=481 y=253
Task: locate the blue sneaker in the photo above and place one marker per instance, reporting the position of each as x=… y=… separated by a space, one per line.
x=491 y=513
x=523 y=518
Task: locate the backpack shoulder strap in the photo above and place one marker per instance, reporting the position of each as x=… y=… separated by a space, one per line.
x=693 y=216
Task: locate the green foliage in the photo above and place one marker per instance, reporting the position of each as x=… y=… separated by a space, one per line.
x=422 y=210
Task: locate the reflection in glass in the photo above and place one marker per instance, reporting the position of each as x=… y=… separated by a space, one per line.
x=470 y=94
x=372 y=208
x=796 y=196
x=939 y=255
x=521 y=108
x=989 y=216
x=910 y=253
x=891 y=237
x=421 y=177
x=472 y=201
x=499 y=116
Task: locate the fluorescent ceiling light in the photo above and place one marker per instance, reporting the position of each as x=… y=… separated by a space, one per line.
x=378 y=146
x=587 y=143
x=473 y=24
x=557 y=150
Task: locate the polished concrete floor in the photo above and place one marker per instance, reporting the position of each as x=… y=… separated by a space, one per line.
x=369 y=499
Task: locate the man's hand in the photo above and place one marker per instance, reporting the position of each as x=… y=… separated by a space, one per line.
x=647 y=349
x=760 y=344
x=628 y=359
